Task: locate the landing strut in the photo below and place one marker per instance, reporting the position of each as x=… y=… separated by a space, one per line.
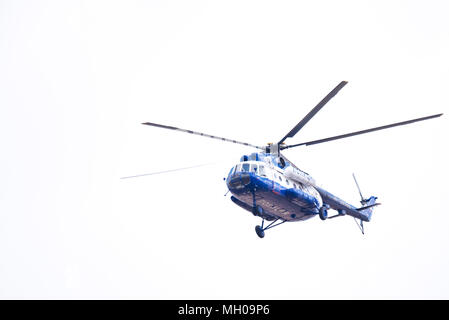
x=260 y=230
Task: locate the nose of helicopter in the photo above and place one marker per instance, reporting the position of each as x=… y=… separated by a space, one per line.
x=238 y=181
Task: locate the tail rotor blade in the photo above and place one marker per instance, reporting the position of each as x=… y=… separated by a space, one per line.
x=358 y=188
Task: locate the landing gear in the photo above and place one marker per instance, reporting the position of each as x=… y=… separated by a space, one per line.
x=323 y=212
x=260 y=230
x=258 y=211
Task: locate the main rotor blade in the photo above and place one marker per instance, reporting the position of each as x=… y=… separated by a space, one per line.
x=165 y=171
x=201 y=134
x=313 y=112
x=361 y=132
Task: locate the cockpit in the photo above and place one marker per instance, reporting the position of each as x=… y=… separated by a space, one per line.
x=249 y=167
x=242 y=173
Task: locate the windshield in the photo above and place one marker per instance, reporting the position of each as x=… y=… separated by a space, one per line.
x=249 y=167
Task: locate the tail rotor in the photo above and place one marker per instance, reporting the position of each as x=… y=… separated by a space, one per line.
x=367 y=205
x=366 y=202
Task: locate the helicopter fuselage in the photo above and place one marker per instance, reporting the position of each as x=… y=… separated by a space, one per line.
x=263 y=186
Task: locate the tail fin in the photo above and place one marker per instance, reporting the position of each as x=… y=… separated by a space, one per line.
x=368 y=206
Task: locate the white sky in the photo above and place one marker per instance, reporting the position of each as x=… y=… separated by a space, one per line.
x=78 y=77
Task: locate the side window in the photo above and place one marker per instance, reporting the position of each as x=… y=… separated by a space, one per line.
x=280 y=178
x=294 y=185
x=245 y=167
x=286 y=180
x=254 y=168
x=262 y=171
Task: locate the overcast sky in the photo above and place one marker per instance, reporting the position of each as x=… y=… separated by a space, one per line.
x=78 y=77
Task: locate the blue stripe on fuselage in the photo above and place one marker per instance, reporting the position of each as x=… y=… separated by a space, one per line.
x=274 y=198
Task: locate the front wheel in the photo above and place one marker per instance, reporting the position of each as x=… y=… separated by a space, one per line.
x=260 y=232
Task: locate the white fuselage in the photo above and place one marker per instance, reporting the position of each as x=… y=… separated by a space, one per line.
x=288 y=178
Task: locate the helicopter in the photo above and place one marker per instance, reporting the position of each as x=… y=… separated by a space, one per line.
x=271 y=187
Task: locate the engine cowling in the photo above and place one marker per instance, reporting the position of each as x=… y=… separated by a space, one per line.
x=300 y=176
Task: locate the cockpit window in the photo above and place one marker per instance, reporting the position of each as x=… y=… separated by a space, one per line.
x=245 y=167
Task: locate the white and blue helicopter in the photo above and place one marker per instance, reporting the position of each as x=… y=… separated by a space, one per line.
x=271 y=187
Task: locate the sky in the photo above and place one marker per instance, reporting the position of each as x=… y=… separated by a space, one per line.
x=77 y=79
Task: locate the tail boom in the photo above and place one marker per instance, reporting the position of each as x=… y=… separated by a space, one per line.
x=364 y=213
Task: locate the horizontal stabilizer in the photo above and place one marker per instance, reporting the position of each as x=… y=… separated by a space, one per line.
x=367 y=207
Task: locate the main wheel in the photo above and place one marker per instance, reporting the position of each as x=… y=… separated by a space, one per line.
x=323 y=213
x=260 y=232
